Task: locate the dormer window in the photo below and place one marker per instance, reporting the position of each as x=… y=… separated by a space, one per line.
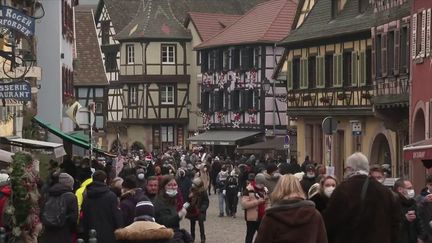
x=337 y=6
x=363 y=5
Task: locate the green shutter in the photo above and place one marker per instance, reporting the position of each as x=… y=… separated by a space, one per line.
x=354 y=69
x=362 y=73
x=303 y=73
x=339 y=70
x=335 y=67
x=290 y=75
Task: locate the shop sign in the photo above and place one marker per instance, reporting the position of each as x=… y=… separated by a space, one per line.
x=15 y=19
x=20 y=90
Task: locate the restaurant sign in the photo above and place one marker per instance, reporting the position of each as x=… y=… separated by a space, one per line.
x=20 y=90
x=15 y=19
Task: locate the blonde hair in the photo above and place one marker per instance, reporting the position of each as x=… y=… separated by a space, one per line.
x=287 y=187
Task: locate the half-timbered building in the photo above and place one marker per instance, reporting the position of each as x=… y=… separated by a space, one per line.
x=328 y=62
x=235 y=64
x=391 y=79
x=90 y=82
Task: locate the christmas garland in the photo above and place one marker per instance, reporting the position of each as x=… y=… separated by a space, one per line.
x=23 y=208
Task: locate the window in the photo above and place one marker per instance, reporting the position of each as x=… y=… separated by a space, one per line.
x=354 y=68
x=290 y=74
x=328 y=70
x=198 y=58
x=219 y=100
x=205 y=101
x=378 y=68
x=204 y=56
x=235 y=58
x=99 y=92
x=167 y=94
x=246 y=58
x=347 y=72
x=252 y=99
x=235 y=100
x=257 y=56
x=312 y=72
x=362 y=71
x=105 y=32
x=296 y=73
x=99 y=109
x=168 y=54
x=167 y=134
x=212 y=60
x=130 y=54
x=390 y=52
x=133 y=95
x=111 y=61
x=337 y=70
x=368 y=67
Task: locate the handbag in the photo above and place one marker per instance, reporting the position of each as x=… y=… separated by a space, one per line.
x=192 y=213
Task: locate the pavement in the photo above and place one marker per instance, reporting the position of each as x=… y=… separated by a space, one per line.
x=220 y=229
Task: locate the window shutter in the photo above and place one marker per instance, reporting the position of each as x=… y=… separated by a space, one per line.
x=423 y=34
x=354 y=69
x=243 y=100
x=414 y=36
x=251 y=57
x=335 y=70
x=323 y=68
x=384 y=55
x=340 y=69
x=226 y=101
x=373 y=54
x=396 y=51
x=304 y=73
x=235 y=58
x=212 y=105
x=408 y=44
x=362 y=73
x=428 y=33
x=290 y=75
x=204 y=61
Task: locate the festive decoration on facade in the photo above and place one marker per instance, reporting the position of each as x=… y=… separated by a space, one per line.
x=206 y=121
x=236 y=121
x=220 y=116
x=252 y=111
x=252 y=118
x=23 y=208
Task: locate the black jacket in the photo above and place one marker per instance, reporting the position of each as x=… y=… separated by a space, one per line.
x=320 y=201
x=101 y=212
x=166 y=213
x=425 y=216
x=408 y=231
x=64 y=233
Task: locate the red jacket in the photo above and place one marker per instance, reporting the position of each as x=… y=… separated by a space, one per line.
x=5 y=193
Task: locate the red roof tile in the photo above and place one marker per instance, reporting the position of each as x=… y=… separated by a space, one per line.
x=267 y=22
x=209 y=24
x=89 y=69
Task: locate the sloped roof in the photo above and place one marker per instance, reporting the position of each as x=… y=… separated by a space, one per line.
x=89 y=69
x=121 y=12
x=320 y=24
x=209 y=24
x=155 y=19
x=268 y=22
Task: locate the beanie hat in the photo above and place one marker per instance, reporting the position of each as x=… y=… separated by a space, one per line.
x=260 y=179
x=310 y=167
x=130 y=182
x=271 y=168
x=4 y=179
x=144 y=210
x=66 y=179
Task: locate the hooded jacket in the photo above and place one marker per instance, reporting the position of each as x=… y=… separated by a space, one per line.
x=293 y=220
x=143 y=232
x=65 y=232
x=101 y=212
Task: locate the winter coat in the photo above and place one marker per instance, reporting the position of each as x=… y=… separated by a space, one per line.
x=348 y=218
x=144 y=232
x=216 y=167
x=5 y=193
x=185 y=184
x=80 y=192
x=320 y=201
x=232 y=185
x=271 y=181
x=306 y=183
x=425 y=216
x=128 y=202
x=294 y=220
x=408 y=231
x=101 y=212
x=202 y=203
x=166 y=213
x=250 y=203
x=51 y=234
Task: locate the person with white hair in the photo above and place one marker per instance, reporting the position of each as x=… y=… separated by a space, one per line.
x=361 y=209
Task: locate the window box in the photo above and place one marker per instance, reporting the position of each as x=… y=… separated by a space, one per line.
x=291 y=98
x=341 y=96
x=307 y=97
x=325 y=100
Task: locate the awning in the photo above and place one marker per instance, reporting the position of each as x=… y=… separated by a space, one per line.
x=276 y=143
x=421 y=150
x=222 y=137
x=57 y=148
x=6 y=156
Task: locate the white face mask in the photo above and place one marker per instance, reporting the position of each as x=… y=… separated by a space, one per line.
x=410 y=193
x=381 y=181
x=329 y=190
x=140 y=176
x=310 y=175
x=171 y=193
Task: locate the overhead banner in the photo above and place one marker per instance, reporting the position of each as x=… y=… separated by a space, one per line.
x=15 y=19
x=20 y=90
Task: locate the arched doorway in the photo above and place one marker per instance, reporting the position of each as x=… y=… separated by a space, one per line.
x=419 y=127
x=380 y=153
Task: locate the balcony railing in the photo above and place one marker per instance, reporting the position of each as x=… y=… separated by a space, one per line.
x=399 y=86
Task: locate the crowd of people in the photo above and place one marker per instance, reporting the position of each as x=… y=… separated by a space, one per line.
x=143 y=198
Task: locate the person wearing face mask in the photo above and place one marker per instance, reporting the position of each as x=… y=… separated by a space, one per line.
x=410 y=228
x=140 y=175
x=326 y=187
x=377 y=172
x=199 y=202
x=309 y=178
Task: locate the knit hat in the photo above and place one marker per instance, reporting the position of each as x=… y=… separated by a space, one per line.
x=310 y=167
x=260 y=179
x=66 y=179
x=144 y=210
x=271 y=168
x=4 y=179
x=130 y=182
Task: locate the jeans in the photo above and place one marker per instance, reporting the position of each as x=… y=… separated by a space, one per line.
x=201 y=227
x=231 y=202
x=221 y=198
x=251 y=228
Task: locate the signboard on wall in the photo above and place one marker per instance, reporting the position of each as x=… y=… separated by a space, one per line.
x=15 y=19
x=20 y=90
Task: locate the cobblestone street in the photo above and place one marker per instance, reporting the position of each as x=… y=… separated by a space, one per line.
x=224 y=229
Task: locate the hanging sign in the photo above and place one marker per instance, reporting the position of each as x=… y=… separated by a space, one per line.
x=15 y=19
x=20 y=90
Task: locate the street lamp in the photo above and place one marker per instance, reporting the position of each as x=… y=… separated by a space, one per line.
x=188 y=105
x=266 y=85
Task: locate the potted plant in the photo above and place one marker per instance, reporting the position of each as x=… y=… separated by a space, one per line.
x=307 y=97
x=366 y=96
x=291 y=98
x=341 y=96
x=325 y=100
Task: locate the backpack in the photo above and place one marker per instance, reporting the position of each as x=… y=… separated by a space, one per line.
x=54 y=213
